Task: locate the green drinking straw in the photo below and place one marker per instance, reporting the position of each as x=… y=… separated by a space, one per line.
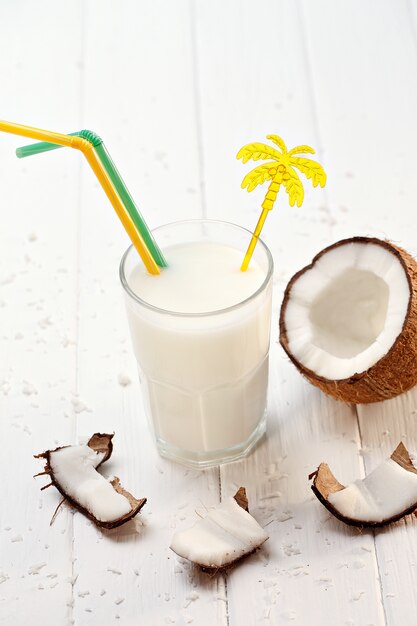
x=116 y=179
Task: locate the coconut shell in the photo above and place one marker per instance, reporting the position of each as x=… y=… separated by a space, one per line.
x=324 y=483
x=396 y=371
x=99 y=442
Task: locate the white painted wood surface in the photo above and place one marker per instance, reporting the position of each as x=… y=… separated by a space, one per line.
x=175 y=88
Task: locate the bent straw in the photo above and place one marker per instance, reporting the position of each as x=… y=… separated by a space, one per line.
x=88 y=150
x=116 y=179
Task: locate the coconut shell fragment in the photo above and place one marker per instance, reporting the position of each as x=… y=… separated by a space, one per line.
x=242 y=499
x=386 y=495
x=103 y=443
x=72 y=470
x=224 y=536
x=348 y=320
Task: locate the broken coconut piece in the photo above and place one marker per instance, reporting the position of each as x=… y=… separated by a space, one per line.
x=226 y=534
x=384 y=496
x=73 y=471
x=349 y=320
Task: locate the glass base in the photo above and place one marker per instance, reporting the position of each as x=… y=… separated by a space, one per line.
x=201 y=460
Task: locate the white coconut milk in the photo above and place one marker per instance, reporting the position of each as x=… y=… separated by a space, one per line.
x=204 y=375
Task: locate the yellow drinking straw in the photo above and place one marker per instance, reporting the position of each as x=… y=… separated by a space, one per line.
x=280 y=171
x=87 y=149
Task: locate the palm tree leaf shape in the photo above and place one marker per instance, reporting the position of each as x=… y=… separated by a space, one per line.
x=301 y=150
x=258 y=151
x=279 y=142
x=259 y=175
x=293 y=186
x=311 y=169
x=280 y=171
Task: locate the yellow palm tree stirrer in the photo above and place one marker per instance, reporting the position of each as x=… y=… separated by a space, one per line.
x=280 y=171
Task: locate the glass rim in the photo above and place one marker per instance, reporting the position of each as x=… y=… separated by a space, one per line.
x=160 y=310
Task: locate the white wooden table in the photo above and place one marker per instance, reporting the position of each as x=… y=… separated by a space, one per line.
x=175 y=88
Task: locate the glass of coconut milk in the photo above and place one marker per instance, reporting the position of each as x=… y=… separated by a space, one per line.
x=200 y=333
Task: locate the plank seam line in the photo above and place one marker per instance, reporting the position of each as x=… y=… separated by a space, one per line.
x=197 y=108
x=227 y=600
x=71 y=619
x=412 y=21
x=224 y=577
x=378 y=568
x=314 y=99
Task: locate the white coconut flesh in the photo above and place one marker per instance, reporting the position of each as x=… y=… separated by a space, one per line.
x=224 y=535
x=346 y=311
x=74 y=469
x=385 y=493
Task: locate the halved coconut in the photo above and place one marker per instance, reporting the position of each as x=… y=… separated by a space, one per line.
x=224 y=536
x=349 y=320
x=384 y=496
x=73 y=471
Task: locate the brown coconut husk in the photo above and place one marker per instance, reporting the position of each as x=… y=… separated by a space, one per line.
x=396 y=371
x=102 y=442
x=324 y=483
x=99 y=442
x=242 y=499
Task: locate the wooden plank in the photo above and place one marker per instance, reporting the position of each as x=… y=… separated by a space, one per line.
x=367 y=123
x=312 y=570
x=147 y=121
x=383 y=425
x=38 y=228
x=360 y=119
x=312 y=567
x=261 y=89
x=139 y=71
